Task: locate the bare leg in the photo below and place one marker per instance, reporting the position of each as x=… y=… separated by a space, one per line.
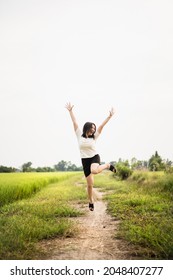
x=90 y=184
x=96 y=168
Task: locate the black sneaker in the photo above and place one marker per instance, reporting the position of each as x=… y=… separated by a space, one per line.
x=112 y=168
x=91 y=206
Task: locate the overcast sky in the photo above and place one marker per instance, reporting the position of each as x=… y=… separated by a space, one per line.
x=96 y=54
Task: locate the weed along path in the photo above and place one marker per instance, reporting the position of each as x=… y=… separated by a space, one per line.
x=95 y=239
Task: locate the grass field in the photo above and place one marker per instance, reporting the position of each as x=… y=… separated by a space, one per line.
x=44 y=213
x=37 y=206
x=144 y=204
x=15 y=186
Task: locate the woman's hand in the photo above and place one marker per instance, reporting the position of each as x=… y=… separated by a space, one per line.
x=69 y=107
x=111 y=112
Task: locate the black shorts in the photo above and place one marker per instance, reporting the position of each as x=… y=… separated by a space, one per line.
x=86 y=163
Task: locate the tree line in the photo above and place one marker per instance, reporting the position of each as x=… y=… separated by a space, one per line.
x=155 y=163
x=27 y=167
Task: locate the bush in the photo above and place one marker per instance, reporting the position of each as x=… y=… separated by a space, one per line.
x=123 y=171
x=166 y=182
x=169 y=170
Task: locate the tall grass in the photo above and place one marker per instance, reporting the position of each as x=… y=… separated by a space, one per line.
x=43 y=215
x=144 y=205
x=16 y=186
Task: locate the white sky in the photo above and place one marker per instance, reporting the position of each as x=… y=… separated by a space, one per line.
x=96 y=54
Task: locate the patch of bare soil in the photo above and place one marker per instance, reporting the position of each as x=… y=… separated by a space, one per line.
x=95 y=240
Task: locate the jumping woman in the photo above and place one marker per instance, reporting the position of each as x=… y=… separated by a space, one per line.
x=87 y=146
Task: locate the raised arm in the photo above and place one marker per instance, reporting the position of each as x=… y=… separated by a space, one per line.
x=69 y=107
x=111 y=113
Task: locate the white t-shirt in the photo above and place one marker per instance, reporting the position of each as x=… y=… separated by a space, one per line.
x=87 y=146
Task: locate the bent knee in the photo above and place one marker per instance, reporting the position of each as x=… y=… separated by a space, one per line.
x=94 y=170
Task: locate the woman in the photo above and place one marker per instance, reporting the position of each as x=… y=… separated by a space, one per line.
x=89 y=156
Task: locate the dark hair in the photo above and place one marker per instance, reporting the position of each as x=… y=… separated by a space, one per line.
x=87 y=126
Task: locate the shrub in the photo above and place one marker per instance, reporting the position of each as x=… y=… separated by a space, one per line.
x=166 y=182
x=169 y=170
x=123 y=171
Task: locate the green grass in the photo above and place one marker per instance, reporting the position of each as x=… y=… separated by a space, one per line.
x=44 y=215
x=15 y=186
x=144 y=205
x=45 y=204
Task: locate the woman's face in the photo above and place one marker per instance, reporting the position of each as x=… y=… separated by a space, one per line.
x=92 y=130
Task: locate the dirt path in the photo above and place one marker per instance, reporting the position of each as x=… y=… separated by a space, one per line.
x=95 y=240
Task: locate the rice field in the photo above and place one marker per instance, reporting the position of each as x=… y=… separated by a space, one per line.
x=16 y=186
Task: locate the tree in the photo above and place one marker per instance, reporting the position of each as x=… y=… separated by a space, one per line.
x=71 y=166
x=44 y=169
x=66 y=166
x=156 y=163
x=5 y=169
x=26 y=167
x=61 y=166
